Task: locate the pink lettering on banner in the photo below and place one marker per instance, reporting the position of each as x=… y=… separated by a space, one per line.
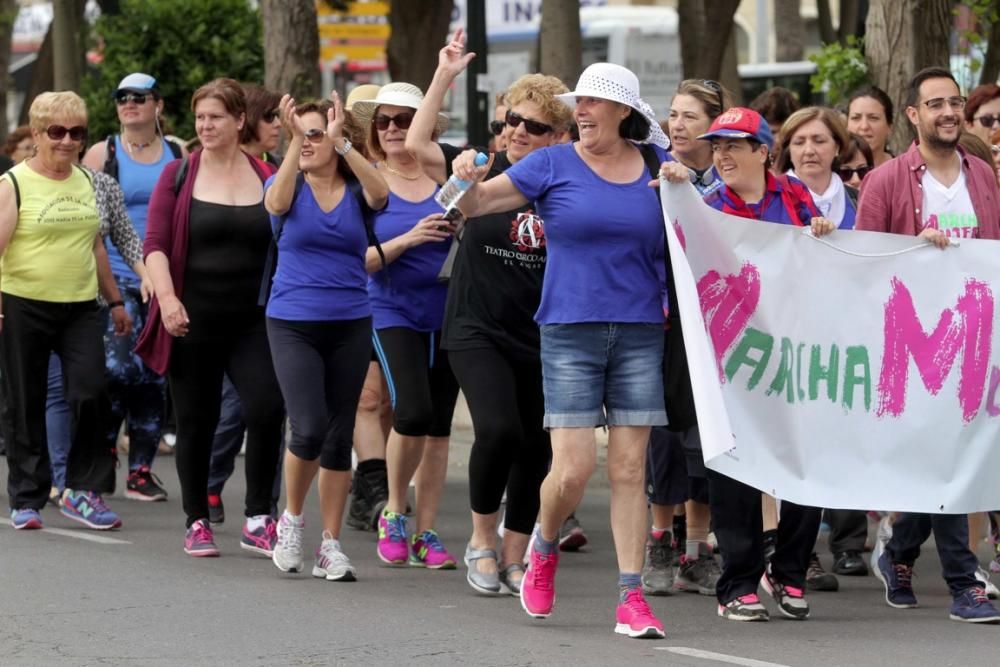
x=680 y=235
x=967 y=327
x=992 y=398
x=728 y=303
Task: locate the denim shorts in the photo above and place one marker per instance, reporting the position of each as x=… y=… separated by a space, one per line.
x=606 y=373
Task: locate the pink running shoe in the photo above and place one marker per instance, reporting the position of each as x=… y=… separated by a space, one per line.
x=199 y=541
x=538 y=590
x=392 y=543
x=635 y=619
x=262 y=539
x=427 y=551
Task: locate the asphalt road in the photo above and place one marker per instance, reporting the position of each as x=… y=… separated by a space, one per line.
x=134 y=598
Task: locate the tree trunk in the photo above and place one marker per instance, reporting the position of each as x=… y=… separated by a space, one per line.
x=41 y=76
x=560 y=49
x=8 y=14
x=729 y=75
x=850 y=12
x=291 y=47
x=991 y=63
x=789 y=31
x=825 y=18
x=697 y=26
x=419 y=30
x=691 y=24
x=66 y=45
x=932 y=31
x=718 y=28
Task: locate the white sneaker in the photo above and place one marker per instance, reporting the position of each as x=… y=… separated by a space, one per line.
x=882 y=537
x=984 y=578
x=332 y=563
x=288 y=551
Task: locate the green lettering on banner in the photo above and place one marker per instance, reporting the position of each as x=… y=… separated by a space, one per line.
x=798 y=372
x=753 y=339
x=855 y=358
x=783 y=378
x=819 y=373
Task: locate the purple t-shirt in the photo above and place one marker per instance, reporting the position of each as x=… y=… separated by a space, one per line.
x=407 y=293
x=604 y=240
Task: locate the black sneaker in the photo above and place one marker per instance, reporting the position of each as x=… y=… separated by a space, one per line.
x=216 y=512
x=818 y=579
x=369 y=496
x=142 y=484
x=850 y=564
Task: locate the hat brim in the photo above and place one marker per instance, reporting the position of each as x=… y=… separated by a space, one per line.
x=137 y=91
x=569 y=99
x=727 y=134
x=364 y=112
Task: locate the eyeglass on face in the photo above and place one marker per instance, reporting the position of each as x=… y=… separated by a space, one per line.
x=269 y=116
x=401 y=120
x=58 y=132
x=988 y=119
x=936 y=104
x=717 y=87
x=315 y=134
x=532 y=126
x=496 y=127
x=125 y=98
x=847 y=173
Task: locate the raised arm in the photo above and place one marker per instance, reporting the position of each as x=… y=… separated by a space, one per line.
x=452 y=61
x=373 y=185
x=279 y=196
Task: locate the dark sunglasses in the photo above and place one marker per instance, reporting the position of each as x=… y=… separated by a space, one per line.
x=496 y=127
x=125 y=98
x=847 y=173
x=269 y=116
x=315 y=134
x=57 y=132
x=402 y=121
x=989 y=119
x=717 y=87
x=532 y=126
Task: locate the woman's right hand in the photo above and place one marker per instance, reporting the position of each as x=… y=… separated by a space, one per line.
x=174 y=316
x=452 y=59
x=433 y=228
x=289 y=120
x=674 y=172
x=464 y=166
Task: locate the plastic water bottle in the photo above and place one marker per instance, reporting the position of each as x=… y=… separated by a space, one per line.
x=451 y=192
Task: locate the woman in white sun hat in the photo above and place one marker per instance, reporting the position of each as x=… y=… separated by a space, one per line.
x=601 y=317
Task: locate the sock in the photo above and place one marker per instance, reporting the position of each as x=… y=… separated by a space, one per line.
x=627 y=581
x=657 y=533
x=371 y=465
x=543 y=546
x=694 y=548
x=296 y=519
x=255 y=522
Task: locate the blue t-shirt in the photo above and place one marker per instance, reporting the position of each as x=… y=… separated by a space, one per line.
x=604 y=240
x=407 y=293
x=321 y=261
x=137 y=181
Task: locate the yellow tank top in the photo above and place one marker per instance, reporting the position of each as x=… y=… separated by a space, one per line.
x=51 y=254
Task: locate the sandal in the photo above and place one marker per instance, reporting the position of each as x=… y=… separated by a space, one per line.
x=513 y=587
x=487 y=583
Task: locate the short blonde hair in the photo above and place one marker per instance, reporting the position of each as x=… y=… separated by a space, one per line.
x=49 y=105
x=541 y=89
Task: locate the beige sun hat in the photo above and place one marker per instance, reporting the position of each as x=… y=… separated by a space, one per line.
x=608 y=81
x=366 y=91
x=397 y=94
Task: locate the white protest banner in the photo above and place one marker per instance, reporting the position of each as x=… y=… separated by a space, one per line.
x=858 y=370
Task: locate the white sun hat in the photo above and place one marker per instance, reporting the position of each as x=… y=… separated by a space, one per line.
x=397 y=94
x=618 y=84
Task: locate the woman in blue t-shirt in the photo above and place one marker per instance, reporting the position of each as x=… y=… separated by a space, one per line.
x=319 y=319
x=601 y=318
x=407 y=312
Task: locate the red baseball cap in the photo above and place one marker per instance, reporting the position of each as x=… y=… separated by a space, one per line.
x=741 y=123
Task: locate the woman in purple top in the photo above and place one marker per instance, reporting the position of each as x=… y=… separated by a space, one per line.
x=407 y=312
x=601 y=318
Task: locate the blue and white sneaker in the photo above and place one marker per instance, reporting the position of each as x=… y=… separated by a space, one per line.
x=26 y=519
x=973 y=606
x=898 y=581
x=88 y=508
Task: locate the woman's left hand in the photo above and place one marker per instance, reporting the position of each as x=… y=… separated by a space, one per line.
x=821 y=226
x=335 y=118
x=121 y=320
x=146 y=289
x=674 y=172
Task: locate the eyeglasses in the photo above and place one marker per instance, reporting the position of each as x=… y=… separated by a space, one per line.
x=315 y=134
x=269 y=116
x=401 y=120
x=988 y=119
x=57 y=132
x=957 y=103
x=125 y=98
x=995 y=149
x=717 y=87
x=847 y=173
x=532 y=126
x=496 y=127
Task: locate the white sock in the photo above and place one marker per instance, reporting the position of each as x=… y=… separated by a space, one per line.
x=297 y=519
x=255 y=522
x=691 y=548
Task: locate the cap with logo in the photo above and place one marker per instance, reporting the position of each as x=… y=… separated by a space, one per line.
x=137 y=82
x=741 y=123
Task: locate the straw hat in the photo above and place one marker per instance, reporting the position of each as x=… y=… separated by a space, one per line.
x=397 y=94
x=618 y=84
x=366 y=91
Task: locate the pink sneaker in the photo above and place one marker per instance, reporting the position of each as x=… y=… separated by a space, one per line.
x=538 y=591
x=262 y=539
x=427 y=551
x=199 y=541
x=635 y=619
x=392 y=543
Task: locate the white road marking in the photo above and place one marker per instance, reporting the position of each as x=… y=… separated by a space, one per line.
x=718 y=657
x=89 y=537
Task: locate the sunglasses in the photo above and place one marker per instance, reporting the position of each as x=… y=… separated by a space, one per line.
x=315 y=134
x=125 y=98
x=847 y=173
x=496 y=127
x=988 y=119
x=269 y=116
x=58 y=132
x=402 y=121
x=532 y=126
x=717 y=88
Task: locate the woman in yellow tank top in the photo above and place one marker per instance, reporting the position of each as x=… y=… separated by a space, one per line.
x=50 y=250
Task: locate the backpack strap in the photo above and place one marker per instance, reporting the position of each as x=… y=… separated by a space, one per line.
x=110 y=157
x=175 y=148
x=367 y=216
x=17 y=190
x=180 y=175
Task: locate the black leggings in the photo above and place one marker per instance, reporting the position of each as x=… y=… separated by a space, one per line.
x=421 y=385
x=195 y=374
x=321 y=368
x=511 y=447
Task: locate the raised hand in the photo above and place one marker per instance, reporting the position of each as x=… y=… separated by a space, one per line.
x=452 y=59
x=335 y=118
x=289 y=120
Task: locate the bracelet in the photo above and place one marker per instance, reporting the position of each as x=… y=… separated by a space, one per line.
x=115 y=304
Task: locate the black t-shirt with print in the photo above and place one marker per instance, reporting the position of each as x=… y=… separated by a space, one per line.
x=496 y=282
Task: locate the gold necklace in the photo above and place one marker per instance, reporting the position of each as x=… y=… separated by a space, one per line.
x=396 y=172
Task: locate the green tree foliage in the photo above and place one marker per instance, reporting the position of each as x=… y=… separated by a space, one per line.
x=839 y=70
x=183 y=43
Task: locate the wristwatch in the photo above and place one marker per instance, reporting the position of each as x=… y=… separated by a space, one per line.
x=343 y=151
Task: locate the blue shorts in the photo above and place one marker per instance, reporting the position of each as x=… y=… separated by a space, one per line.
x=607 y=373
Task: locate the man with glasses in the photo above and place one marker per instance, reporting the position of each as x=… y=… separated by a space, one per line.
x=936 y=192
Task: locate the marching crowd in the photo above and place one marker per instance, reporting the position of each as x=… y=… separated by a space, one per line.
x=320 y=307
